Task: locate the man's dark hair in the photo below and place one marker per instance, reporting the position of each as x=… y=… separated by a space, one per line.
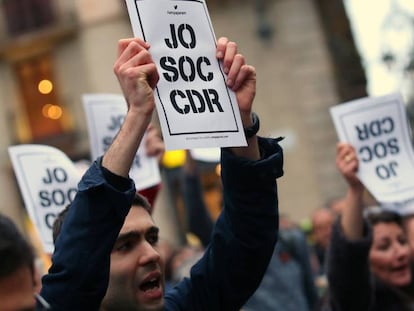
x=15 y=251
x=139 y=200
x=385 y=217
x=57 y=224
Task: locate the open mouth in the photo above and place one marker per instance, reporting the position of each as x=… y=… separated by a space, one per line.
x=149 y=285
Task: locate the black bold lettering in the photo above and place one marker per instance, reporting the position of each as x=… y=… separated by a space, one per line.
x=172 y=43
x=393 y=146
x=362 y=132
x=49 y=220
x=212 y=98
x=190 y=31
x=183 y=60
x=167 y=63
x=48 y=179
x=375 y=128
x=173 y=95
x=58 y=197
x=44 y=198
x=368 y=156
x=388 y=125
x=380 y=150
x=206 y=61
x=190 y=96
x=382 y=171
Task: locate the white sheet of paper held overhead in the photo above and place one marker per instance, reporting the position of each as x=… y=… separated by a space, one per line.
x=48 y=182
x=105 y=114
x=194 y=105
x=378 y=129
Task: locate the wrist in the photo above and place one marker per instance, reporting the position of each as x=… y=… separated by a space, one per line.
x=251 y=125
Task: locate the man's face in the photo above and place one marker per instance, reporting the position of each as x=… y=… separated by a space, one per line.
x=17 y=291
x=322 y=227
x=137 y=269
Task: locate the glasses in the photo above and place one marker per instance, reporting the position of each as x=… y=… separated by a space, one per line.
x=44 y=305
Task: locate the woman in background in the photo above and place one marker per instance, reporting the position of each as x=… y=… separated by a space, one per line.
x=369 y=264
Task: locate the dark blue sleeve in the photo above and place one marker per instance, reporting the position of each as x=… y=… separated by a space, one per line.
x=198 y=217
x=349 y=277
x=79 y=275
x=244 y=235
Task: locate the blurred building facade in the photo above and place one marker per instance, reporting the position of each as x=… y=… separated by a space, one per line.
x=295 y=45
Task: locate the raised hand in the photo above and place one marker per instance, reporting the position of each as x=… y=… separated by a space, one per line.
x=241 y=78
x=137 y=74
x=347 y=164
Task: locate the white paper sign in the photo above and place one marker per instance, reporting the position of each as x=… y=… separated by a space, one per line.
x=48 y=181
x=378 y=129
x=105 y=114
x=206 y=154
x=195 y=107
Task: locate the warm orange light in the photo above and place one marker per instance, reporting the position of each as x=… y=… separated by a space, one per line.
x=45 y=86
x=53 y=112
x=218 y=169
x=45 y=110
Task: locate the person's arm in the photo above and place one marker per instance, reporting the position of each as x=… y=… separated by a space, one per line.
x=138 y=76
x=79 y=274
x=349 y=277
x=241 y=78
x=245 y=233
x=352 y=216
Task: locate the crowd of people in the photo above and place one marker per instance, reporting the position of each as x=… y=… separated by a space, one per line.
x=108 y=255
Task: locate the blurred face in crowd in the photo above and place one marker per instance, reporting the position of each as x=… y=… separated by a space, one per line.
x=137 y=269
x=17 y=291
x=322 y=221
x=390 y=254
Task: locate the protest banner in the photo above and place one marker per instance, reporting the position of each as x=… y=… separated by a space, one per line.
x=105 y=114
x=194 y=105
x=48 y=180
x=378 y=129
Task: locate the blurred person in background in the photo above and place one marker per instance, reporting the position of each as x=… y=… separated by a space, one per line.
x=19 y=278
x=288 y=283
x=369 y=264
x=322 y=221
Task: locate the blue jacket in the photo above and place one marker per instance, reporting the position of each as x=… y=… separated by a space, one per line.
x=288 y=283
x=233 y=265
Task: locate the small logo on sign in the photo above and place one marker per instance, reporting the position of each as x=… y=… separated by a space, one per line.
x=175 y=7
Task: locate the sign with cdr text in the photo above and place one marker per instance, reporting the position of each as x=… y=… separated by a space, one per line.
x=194 y=105
x=378 y=129
x=48 y=181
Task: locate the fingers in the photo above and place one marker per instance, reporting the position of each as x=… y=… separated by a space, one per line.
x=245 y=73
x=123 y=44
x=221 y=47
x=346 y=159
x=226 y=51
x=132 y=55
x=154 y=144
x=135 y=61
x=234 y=64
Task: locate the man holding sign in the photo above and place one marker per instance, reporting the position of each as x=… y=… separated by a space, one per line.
x=106 y=255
